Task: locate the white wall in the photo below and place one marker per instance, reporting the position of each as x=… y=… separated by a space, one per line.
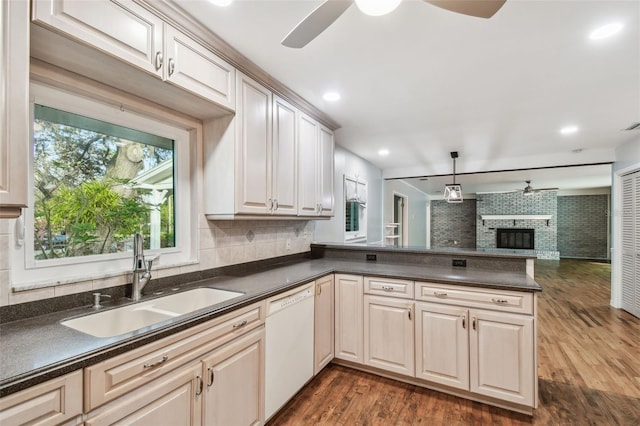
x=417 y=200
x=347 y=163
x=627 y=161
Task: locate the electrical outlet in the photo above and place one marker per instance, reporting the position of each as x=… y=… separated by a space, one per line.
x=459 y=262
x=287 y=245
x=372 y=257
x=305 y=235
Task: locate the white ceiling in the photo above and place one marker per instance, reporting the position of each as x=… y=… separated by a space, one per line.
x=423 y=81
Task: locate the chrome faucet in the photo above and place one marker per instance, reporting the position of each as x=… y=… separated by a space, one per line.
x=141 y=268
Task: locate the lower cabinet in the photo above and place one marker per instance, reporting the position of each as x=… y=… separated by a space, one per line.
x=502 y=362
x=323 y=324
x=349 y=318
x=57 y=401
x=389 y=334
x=487 y=353
x=442 y=344
x=174 y=399
x=234 y=391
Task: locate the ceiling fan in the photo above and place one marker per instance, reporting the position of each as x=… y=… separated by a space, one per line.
x=325 y=14
x=528 y=190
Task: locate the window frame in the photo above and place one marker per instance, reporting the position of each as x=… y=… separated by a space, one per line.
x=29 y=272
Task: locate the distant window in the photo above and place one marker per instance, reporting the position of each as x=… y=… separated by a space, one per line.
x=96 y=184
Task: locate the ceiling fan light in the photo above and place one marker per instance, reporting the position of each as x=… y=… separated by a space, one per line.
x=453 y=193
x=377 y=7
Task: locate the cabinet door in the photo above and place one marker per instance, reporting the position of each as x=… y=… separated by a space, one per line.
x=52 y=402
x=284 y=158
x=323 y=323
x=234 y=374
x=193 y=67
x=442 y=344
x=348 y=317
x=325 y=178
x=501 y=356
x=253 y=115
x=389 y=334
x=308 y=134
x=14 y=107
x=174 y=399
x=120 y=28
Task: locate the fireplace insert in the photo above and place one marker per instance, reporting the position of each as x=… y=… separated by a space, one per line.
x=512 y=238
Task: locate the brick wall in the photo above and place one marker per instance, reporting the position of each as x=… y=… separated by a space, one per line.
x=543 y=203
x=453 y=224
x=583 y=226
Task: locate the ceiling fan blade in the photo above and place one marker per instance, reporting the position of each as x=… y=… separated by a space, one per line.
x=545 y=189
x=499 y=192
x=315 y=23
x=477 y=8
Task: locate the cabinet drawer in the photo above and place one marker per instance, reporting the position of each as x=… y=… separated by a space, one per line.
x=389 y=287
x=116 y=376
x=52 y=402
x=499 y=300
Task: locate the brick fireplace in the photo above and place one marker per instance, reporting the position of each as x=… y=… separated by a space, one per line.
x=526 y=222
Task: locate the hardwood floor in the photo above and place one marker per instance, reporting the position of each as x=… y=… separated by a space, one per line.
x=588 y=367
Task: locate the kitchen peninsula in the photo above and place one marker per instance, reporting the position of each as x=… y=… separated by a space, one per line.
x=481 y=319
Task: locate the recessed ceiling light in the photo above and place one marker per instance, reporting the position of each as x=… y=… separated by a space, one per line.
x=606 y=31
x=383 y=152
x=221 y=3
x=331 y=96
x=567 y=130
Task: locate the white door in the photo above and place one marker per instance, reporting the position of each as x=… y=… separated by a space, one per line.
x=349 y=321
x=284 y=158
x=193 y=67
x=631 y=243
x=308 y=135
x=442 y=344
x=121 y=28
x=234 y=382
x=323 y=323
x=502 y=356
x=325 y=178
x=253 y=112
x=389 y=334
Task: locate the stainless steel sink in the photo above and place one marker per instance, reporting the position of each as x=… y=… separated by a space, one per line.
x=139 y=315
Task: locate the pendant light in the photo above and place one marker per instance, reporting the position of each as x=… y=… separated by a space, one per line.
x=453 y=191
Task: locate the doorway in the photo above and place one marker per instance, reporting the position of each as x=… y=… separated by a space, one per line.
x=401 y=219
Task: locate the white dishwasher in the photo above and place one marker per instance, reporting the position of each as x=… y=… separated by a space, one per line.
x=289 y=346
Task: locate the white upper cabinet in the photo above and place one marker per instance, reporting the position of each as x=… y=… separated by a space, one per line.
x=326 y=169
x=125 y=30
x=253 y=150
x=308 y=131
x=316 y=168
x=14 y=107
x=257 y=154
x=193 y=67
x=284 y=161
x=120 y=28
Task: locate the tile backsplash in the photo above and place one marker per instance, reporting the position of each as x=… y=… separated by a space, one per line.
x=221 y=243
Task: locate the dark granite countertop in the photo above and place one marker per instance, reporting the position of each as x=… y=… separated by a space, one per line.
x=37 y=349
x=477 y=252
